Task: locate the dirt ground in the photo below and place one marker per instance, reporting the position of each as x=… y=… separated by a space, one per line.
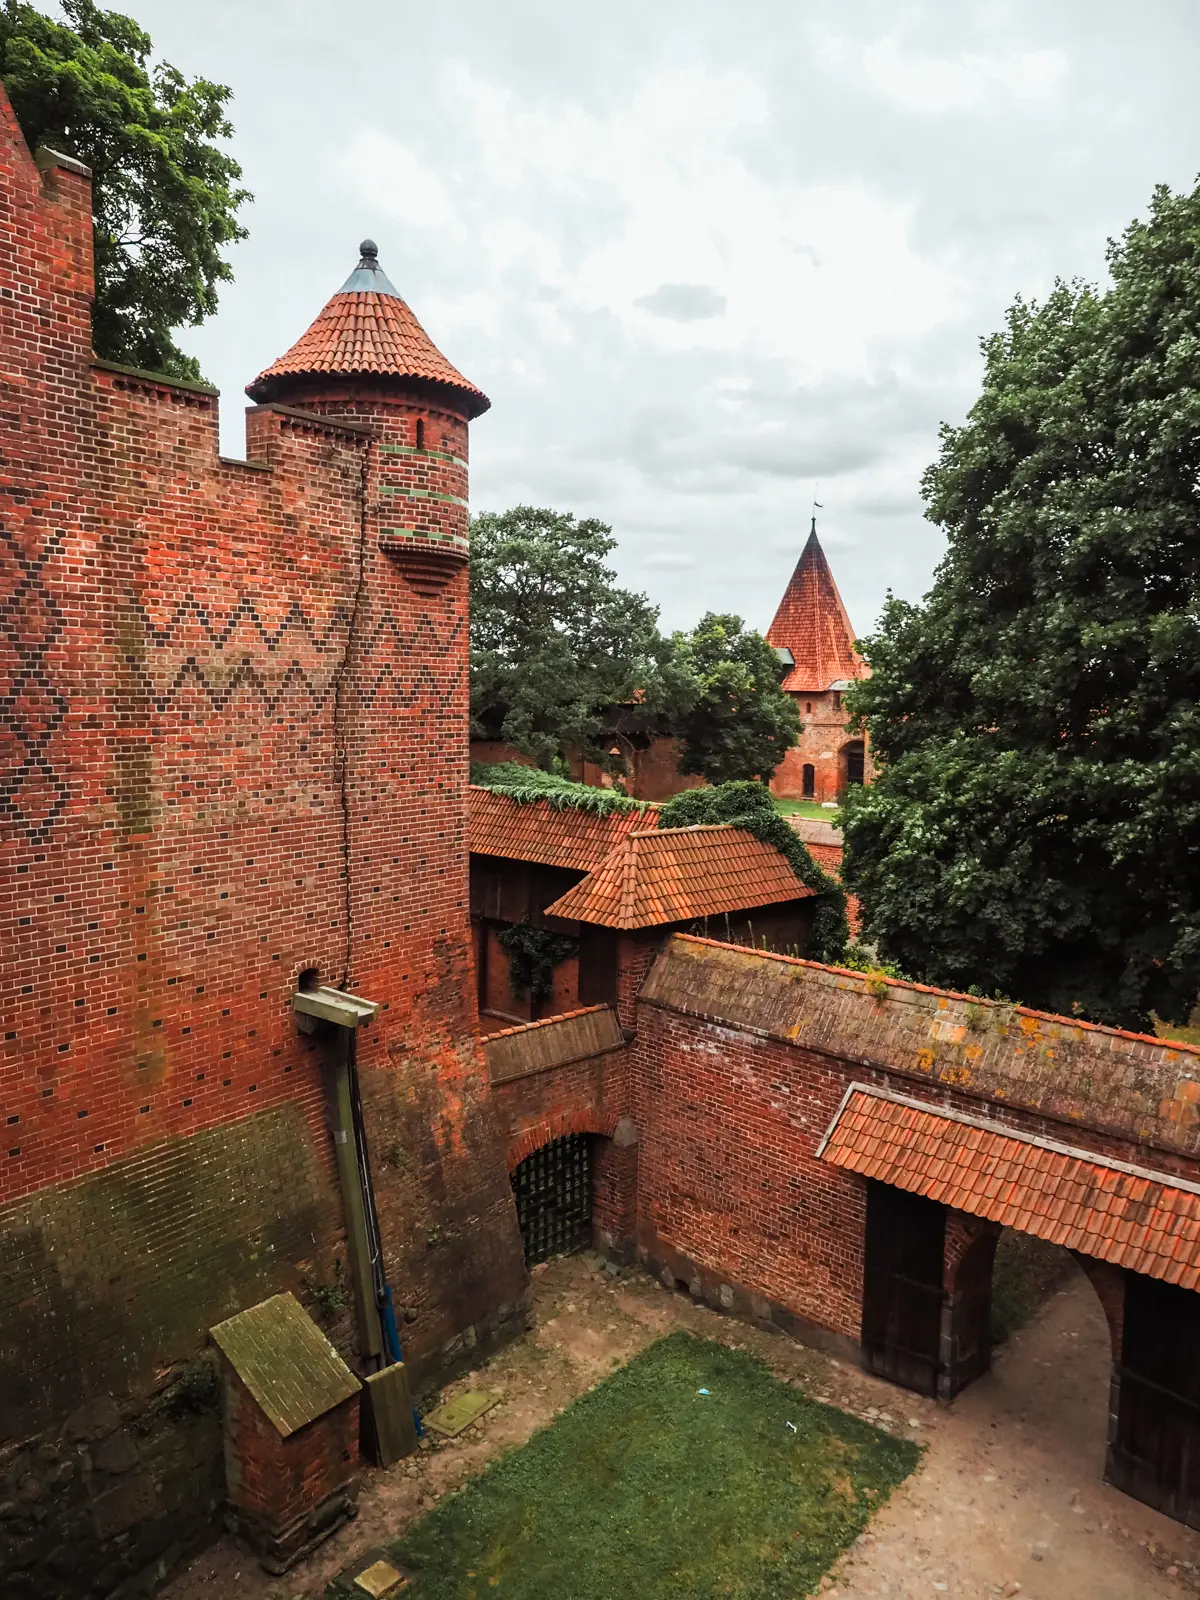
x=1007 y=1500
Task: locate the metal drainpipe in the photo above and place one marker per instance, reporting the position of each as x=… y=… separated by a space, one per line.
x=350 y=1179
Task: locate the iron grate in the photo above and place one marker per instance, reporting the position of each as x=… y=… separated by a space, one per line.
x=553 y=1191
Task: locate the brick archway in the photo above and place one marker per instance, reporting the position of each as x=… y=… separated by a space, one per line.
x=614 y=1169
x=526 y=1140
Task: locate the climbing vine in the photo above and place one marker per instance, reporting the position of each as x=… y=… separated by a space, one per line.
x=749 y=805
x=533 y=954
x=528 y=785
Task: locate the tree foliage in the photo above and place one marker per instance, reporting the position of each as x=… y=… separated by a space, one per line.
x=729 y=713
x=554 y=641
x=165 y=195
x=562 y=658
x=749 y=805
x=1035 y=827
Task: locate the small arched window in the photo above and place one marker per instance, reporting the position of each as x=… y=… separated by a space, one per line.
x=420 y=433
x=808 y=707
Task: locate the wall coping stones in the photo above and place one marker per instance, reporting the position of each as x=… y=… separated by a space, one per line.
x=285 y=1361
x=815 y=831
x=165 y=379
x=1133 y=1086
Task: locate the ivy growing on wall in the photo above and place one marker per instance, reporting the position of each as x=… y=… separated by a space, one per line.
x=528 y=785
x=533 y=954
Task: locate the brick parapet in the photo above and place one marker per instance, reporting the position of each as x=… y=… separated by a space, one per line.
x=1101 y=1083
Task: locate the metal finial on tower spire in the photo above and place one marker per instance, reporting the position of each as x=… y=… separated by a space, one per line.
x=368 y=276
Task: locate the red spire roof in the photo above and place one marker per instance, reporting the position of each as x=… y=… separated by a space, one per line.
x=366 y=330
x=812 y=623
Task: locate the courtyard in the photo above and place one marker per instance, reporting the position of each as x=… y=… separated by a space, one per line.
x=1006 y=1499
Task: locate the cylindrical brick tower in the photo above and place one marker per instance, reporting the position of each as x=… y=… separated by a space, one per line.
x=399 y=709
x=367 y=359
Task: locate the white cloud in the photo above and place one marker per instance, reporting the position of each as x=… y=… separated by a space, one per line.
x=813 y=274
x=864 y=187
x=395 y=178
x=939 y=84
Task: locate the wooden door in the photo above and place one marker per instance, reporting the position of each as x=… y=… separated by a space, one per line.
x=902 y=1287
x=970 y=1317
x=1156 y=1454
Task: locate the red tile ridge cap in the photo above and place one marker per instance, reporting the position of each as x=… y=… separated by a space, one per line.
x=948 y=994
x=526 y=1027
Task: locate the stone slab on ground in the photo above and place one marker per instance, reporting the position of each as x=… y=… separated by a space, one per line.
x=454 y=1416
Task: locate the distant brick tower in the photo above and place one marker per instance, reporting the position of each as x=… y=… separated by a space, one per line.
x=813 y=636
x=366 y=361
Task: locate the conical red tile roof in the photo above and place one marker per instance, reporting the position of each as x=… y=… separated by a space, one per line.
x=366 y=330
x=812 y=623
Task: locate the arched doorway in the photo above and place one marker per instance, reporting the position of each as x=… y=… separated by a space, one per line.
x=808 y=780
x=929 y=1288
x=852 y=760
x=552 y=1188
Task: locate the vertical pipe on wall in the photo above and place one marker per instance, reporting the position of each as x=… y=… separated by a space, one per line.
x=350 y=1180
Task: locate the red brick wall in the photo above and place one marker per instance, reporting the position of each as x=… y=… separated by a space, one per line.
x=730 y=1189
x=727 y=1172
x=635 y=957
x=236 y=740
x=822 y=741
x=591 y=1096
x=274 y=1480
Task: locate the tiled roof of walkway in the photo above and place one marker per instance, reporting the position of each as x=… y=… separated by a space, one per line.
x=678 y=874
x=554 y=836
x=1146 y=1221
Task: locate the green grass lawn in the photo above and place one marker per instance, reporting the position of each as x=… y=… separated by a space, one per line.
x=645 y=1489
x=806 y=808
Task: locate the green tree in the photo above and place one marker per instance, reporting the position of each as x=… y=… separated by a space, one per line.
x=1035 y=827
x=555 y=643
x=165 y=195
x=724 y=703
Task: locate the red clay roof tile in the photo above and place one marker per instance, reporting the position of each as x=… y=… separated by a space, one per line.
x=541 y=832
x=651 y=879
x=1144 y=1220
x=367 y=333
x=812 y=623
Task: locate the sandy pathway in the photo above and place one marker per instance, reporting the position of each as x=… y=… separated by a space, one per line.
x=1010 y=1493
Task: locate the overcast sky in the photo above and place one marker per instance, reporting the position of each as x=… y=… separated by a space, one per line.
x=700 y=255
